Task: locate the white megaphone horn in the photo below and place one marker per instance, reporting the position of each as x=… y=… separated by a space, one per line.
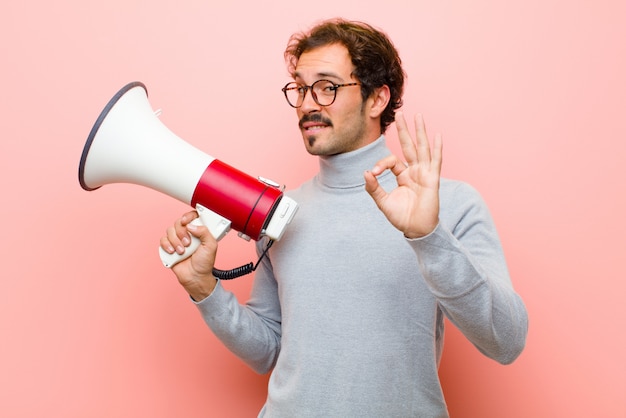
x=129 y=144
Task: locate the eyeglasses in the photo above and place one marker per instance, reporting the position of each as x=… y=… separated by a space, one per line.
x=324 y=92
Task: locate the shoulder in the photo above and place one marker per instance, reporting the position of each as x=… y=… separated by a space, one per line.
x=461 y=202
x=457 y=191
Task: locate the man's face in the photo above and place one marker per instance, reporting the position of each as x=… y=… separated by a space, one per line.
x=343 y=126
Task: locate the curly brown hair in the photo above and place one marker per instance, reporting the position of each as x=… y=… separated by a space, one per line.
x=373 y=55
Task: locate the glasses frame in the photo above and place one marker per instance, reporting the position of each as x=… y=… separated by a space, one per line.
x=306 y=88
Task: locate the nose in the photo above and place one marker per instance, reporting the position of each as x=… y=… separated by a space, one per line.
x=309 y=104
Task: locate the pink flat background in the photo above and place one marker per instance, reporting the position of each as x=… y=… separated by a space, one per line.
x=531 y=100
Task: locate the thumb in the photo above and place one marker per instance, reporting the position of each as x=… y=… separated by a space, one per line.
x=203 y=259
x=200 y=231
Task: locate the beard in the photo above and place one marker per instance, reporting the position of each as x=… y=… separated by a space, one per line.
x=314 y=117
x=331 y=142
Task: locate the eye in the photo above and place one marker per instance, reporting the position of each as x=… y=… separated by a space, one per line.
x=326 y=88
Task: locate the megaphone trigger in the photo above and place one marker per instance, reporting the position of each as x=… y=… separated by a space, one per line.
x=218 y=225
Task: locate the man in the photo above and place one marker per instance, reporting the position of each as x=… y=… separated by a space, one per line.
x=347 y=310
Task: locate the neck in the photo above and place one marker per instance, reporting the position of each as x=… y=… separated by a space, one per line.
x=346 y=170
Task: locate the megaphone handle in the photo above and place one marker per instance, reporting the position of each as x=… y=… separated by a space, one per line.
x=218 y=226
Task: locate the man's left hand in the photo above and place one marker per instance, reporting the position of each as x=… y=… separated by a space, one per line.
x=413 y=207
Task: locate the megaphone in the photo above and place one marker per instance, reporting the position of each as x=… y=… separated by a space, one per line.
x=129 y=144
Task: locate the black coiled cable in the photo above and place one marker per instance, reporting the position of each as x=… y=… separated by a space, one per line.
x=234 y=273
x=242 y=270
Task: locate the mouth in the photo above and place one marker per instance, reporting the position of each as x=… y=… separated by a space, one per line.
x=313 y=127
x=312 y=124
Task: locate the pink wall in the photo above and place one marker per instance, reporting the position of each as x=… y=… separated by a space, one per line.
x=530 y=96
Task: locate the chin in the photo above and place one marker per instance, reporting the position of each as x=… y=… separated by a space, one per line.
x=309 y=143
x=315 y=145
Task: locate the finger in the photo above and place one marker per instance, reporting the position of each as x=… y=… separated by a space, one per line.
x=391 y=162
x=423 y=146
x=201 y=231
x=373 y=188
x=188 y=217
x=406 y=142
x=437 y=153
x=181 y=226
x=207 y=240
x=172 y=242
x=199 y=266
x=177 y=237
x=167 y=246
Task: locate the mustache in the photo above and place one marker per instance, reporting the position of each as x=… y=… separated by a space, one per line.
x=314 y=117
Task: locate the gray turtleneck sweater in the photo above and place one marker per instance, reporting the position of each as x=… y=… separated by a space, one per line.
x=348 y=314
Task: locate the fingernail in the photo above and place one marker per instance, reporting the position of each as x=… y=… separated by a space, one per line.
x=185 y=241
x=180 y=249
x=192 y=227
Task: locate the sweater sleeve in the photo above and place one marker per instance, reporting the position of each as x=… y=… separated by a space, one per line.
x=251 y=331
x=463 y=264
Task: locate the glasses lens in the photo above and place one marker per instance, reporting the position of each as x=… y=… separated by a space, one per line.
x=324 y=91
x=294 y=94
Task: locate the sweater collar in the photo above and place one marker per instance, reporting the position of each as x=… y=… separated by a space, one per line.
x=345 y=170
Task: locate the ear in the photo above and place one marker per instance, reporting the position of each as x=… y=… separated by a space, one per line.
x=378 y=101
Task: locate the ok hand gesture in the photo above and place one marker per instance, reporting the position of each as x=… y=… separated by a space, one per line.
x=413 y=207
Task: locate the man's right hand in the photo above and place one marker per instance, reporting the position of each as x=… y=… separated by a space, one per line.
x=195 y=273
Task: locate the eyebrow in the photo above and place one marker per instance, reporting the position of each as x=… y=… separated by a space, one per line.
x=321 y=75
